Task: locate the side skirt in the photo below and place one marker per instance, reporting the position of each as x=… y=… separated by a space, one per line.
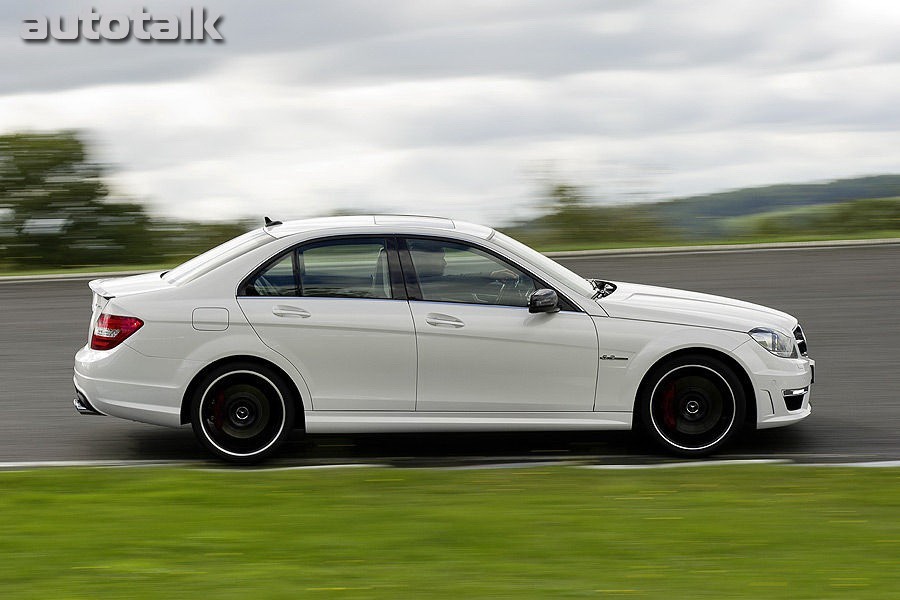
x=399 y=421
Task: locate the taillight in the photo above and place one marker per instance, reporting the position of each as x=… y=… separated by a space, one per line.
x=112 y=330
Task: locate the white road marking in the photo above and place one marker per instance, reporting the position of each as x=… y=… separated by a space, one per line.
x=507 y=465
x=205 y=465
x=879 y=464
x=68 y=276
x=209 y=465
x=258 y=468
x=720 y=248
x=44 y=464
x=697 y=463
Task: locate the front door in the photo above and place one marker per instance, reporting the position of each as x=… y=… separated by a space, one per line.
x=479 y=349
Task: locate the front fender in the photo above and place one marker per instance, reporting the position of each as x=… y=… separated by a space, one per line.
x=642 y=344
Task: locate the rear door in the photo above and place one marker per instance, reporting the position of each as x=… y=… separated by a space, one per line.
x=331 y=309
x=479 y=348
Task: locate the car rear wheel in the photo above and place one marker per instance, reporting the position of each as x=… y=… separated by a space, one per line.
x=242 y=412
x=692 y=405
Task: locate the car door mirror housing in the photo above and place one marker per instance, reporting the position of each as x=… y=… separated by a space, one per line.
x=543 y=301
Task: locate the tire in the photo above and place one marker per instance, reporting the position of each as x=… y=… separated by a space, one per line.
x=692 y=405
x=242 y=412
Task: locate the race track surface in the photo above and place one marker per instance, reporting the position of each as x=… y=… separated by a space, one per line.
x=846 y=298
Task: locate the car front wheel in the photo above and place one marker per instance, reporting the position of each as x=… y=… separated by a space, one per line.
x=692 y=405
x=242 y=412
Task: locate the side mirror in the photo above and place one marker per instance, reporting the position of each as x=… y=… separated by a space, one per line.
x=543 y=301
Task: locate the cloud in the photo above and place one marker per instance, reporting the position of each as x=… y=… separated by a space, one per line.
x=458 y=108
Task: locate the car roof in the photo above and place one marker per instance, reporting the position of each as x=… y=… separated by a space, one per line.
x=400 y=224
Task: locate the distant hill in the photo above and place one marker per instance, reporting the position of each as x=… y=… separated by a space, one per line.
x=853 y=207
x=703 y=215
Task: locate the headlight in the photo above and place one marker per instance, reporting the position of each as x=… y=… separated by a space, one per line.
x=776 y=342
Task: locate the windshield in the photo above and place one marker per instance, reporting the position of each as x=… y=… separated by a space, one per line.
x=548 y=265
x=209 y=260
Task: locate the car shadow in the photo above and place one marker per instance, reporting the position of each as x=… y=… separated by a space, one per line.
x=448 y=450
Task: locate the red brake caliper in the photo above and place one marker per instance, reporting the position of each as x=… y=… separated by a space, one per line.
x=219 y=410
x=668 y=405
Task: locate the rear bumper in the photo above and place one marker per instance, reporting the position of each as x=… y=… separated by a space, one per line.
x=153 y=393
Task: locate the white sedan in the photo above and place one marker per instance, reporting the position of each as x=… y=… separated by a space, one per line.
x=396 y=323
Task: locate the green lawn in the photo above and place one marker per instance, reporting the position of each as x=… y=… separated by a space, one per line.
x=853 y=217
x=552 y=532
x=6 y=271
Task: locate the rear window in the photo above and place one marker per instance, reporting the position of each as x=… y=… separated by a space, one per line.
x=335 y=268
x=218 y=256
x=353 y=268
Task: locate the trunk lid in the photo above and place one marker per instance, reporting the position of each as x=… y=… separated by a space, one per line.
x=116 y=287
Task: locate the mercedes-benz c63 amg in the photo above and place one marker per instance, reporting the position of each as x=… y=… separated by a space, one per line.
x=395 y=323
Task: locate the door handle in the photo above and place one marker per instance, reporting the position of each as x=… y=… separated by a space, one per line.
x=439 y=320
x=290 y=312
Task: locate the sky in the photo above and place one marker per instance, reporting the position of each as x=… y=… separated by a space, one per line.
x=465 y=108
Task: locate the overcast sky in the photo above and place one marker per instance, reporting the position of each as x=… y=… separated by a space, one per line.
x=462 y=107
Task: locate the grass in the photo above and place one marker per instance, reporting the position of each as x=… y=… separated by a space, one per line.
x=868 y=211
x=748 y=222
x=7 y=271
x=553 y=532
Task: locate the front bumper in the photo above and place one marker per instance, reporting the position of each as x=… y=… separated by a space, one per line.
x=782 y=385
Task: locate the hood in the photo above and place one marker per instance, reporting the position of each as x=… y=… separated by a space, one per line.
x=126 y=286
x=667 y=305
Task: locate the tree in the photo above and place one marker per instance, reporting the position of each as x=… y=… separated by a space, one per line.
x=574 y=219
x=55 y=209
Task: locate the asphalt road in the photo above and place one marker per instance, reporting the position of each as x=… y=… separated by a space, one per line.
x=846 y=298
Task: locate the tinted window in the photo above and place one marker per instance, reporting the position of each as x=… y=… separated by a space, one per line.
x=453 y=272
x=354 y=268
x=545 y=264
x=276 y=280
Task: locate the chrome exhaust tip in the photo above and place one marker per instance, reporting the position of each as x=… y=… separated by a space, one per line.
x=83 y=406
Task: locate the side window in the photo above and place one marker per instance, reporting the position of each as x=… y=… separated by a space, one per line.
x=454 y=272
x=348 y=268
x=275 y=280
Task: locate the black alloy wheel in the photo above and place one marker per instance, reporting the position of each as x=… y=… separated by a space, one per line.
x=242 y=412
x=692 y=405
